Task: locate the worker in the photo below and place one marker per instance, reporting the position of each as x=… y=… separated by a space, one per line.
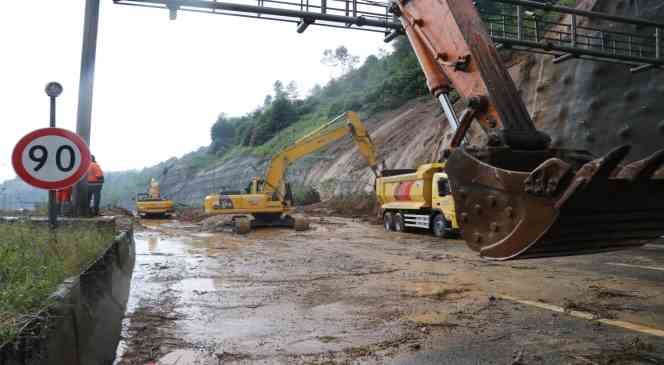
x=95 y=183
x=63 y=198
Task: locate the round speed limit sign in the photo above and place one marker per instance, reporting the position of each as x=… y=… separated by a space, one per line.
x=51 y=158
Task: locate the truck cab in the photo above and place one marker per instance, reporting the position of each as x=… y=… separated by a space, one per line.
x=442 y=201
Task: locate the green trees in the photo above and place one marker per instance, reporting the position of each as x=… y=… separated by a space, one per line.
x=222 y=134
x=384 y=81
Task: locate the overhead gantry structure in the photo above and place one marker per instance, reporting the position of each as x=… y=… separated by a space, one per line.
x=562 y=32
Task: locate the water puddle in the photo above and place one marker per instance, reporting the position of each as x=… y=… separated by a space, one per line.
x=183 y=357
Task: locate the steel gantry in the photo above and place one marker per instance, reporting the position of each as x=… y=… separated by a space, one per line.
x=535 y=26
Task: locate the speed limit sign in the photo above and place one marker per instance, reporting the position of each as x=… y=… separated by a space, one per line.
x=51 y=158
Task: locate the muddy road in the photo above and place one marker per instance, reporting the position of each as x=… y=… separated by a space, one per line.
x=348 y=292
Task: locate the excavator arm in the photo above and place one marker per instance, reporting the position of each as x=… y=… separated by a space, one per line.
x=515 y=196
x=316 y=140
x=453 y=49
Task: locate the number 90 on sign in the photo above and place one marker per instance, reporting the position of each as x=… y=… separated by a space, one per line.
x=51 y=158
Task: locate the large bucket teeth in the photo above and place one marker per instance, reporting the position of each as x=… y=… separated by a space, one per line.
x=552 y=203
x=644 y=169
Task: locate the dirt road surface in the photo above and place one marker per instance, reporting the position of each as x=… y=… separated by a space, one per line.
x=347 y=292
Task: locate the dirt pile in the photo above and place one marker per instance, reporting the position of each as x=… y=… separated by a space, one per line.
x=216 y=223
x=191 y=215
x=358 y=205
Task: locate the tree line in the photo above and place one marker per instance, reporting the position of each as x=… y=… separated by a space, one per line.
x=384 y=81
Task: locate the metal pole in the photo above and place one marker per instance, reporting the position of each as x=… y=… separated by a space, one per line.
x=658 y=49
x=53 y=90
x=519 y=23
x=52 y=204
x=85 y=87
x=504 y=27
x=573 y=30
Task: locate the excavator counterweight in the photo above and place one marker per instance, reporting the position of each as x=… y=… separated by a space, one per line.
x=516 y=196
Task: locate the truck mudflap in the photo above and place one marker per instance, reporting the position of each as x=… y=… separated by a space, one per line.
x=522 y=204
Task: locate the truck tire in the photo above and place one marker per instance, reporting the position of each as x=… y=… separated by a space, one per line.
x=399 y=223
x=440 y=227
x=388 y=221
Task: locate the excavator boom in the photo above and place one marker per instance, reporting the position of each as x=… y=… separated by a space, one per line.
x=515 y=196
x=316 y=140
x=268 y=202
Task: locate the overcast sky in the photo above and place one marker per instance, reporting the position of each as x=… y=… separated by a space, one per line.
x=159 y=84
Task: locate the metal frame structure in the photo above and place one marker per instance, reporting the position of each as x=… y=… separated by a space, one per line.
x=567 y=33
x=364 y=15
x=525 y=25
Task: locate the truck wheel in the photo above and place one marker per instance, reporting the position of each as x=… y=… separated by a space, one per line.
x=440 y=226
x=388 y=221
x=398 y=223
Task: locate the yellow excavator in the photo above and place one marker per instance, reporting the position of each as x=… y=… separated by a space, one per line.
x=268 y=201
x=151 y=204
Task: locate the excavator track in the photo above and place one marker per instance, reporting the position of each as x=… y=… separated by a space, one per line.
x=567 y=205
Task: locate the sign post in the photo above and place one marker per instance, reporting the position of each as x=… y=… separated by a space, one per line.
x=51 y=158
x=53 y=90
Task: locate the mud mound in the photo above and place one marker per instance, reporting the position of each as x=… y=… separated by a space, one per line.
x=215 y=223
x=192 y=215
x=116 y=211
x=358 y=205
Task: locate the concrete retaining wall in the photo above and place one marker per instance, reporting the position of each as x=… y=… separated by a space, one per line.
x=83 y=326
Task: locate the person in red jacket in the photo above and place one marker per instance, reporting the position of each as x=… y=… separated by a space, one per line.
x=95 y=183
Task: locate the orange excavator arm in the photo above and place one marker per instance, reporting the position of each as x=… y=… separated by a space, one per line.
x=515 y=196
x=453 y=48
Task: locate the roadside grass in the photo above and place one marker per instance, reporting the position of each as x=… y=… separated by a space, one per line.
x=34 y=261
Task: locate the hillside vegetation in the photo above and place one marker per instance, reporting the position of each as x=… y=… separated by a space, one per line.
x=382 y=82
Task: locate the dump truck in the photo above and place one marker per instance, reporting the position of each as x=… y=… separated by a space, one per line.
x=268 y=201
x=417 y=198
x=151 y=204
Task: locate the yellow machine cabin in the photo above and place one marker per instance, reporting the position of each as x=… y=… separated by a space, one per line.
x=268 y=201
x=417 y=198
x=151 y=204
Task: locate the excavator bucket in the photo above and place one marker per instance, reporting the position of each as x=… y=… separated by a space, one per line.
x=522 y=204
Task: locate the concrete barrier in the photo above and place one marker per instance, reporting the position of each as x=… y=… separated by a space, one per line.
x=84 y=323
